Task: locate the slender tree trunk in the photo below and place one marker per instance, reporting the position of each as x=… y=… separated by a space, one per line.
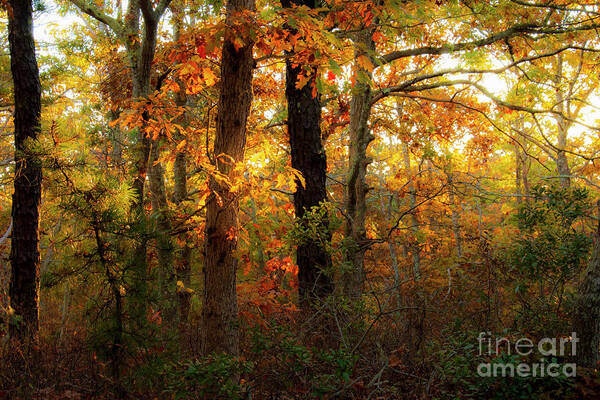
x=117 y=140
x=140 y=72
x=219 y=313
x=180 y=191
x=141 y=55
x=586 y=321
x=308 y=157
x=24 y=253
x=257 y=241
x=167 y=279
x=518 y=174
x=562 y=164
x=392 y=248
x=525 y=165
x=183 y=261
x=356 y=186
x=455 y=216
x=416 y=253
x=64 y=311
x=116 y=348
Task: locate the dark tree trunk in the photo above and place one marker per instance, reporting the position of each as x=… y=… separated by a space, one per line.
x=219 y=312
x=308 y=157
x=586 y=316
x=24 y=254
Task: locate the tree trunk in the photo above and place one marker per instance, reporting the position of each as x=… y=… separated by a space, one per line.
x=525 y=165
x=308 y=157
x=24 y=254
x=167 y=280
x=416 y=252
x=180 y=191
x=562 y=164
x=586 y=318
x=518 y=174
x=116 y=139
x=455 y=217
x=392 y=248
x=219 y=312
x=140 y=73
x=257 y=242
x=183 y=261
x=356 y=187
x=141 y=55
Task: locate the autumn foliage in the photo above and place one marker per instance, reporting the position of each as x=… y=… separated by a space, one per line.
x=456 y=145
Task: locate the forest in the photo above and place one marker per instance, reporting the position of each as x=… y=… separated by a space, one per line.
x=299 y=199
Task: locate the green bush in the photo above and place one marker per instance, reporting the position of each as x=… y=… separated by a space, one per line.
x=215 y=376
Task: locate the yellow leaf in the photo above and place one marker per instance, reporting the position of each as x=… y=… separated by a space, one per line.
x=209 y=76
x=280 y=181
x=180 y=145
x=299 y=177
x=365 y=63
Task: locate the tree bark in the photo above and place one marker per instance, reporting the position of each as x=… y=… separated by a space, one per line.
x=141 y=55
x=562 y=164
x=219 y=312
x=586 y=318
x=392 y=248
x=180 y=191
x=308 y=157
x=24 y=254
x=455 y=216
x=416 y=252
x=518 y=174
x=356 y=186
x=167 y=280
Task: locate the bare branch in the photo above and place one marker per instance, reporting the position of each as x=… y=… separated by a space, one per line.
x=7 y=233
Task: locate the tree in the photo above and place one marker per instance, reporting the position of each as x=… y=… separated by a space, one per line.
x=139 y=41
x=308 y=157
x=425 y=76
x=586 y=316
x=358 y=161
x=25 y=255
x=219 y=312
x=180 y=178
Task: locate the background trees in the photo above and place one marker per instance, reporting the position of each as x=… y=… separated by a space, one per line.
x=412 y=173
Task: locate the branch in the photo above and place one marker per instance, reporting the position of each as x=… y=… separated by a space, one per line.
x=482 y=90
x=499 y=70
x=161 y=7
x=151 y=14
x=554 y=7
x=7 y=233
x=411 y=209
x=450 y=48
x=500 y=36
x=483 y=114
x=98 y=15
x=148 y=11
